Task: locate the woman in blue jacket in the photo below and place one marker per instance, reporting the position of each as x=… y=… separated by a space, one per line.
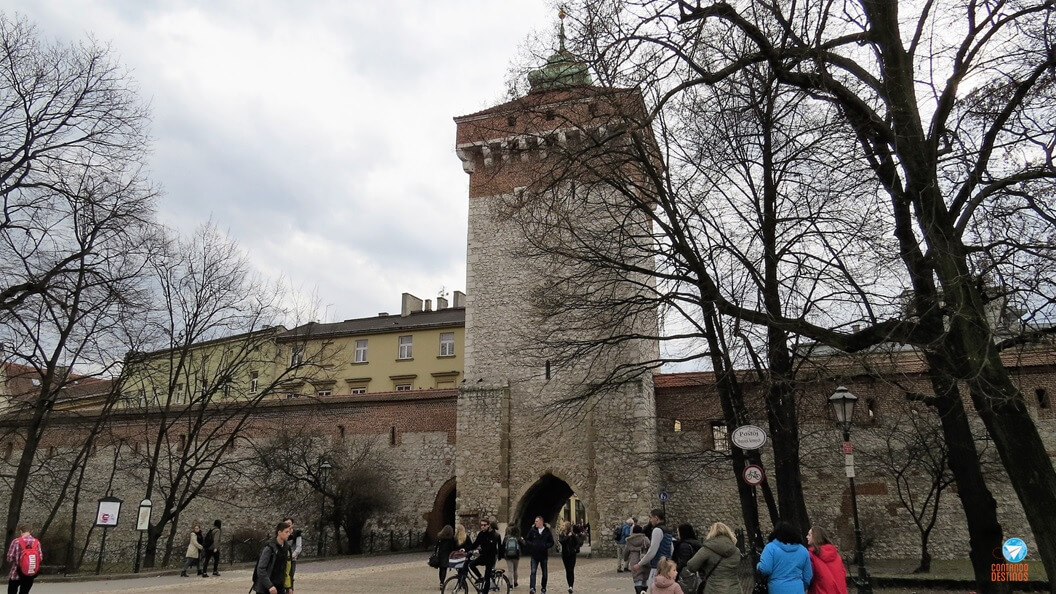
x=786 y=561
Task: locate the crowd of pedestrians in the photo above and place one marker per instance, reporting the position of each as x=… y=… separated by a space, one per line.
x=662 y=561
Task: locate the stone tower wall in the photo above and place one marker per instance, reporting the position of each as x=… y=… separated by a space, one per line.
x=515 y=422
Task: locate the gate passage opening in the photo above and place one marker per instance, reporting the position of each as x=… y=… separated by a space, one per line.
x=551 y=498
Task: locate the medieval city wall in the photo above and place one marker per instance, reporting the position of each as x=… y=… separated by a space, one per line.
x=410 y=437
x=703 y=489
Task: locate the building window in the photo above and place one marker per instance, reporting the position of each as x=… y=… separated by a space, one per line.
x=720 y=436
x=358 y=390
x=179 y=393
x=403 y=387
x=361 y=351
x=254 y=381
x=324 y=393
x=447 y=344
x=297 y=356
x=678 y=426
x=1043 y=398
x=870 y=409
x=290 y=395
x=183 y=443
x=205 y=387
x=392 y=435
x=406 y=350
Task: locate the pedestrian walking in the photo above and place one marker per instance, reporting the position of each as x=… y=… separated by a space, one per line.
x=194 y=551
x=511 y=550
x=445 y=544
x=830 y=576
x=269 y=576
x=717 y=561
x=622 y=533
x=293 y=550
x=685 y=546
x=461 y=537
x=571 y=540
x=661 y=543
x=786 y=561
x=538 y=541
x=25 y=555
x=211 y=546
x=665 y=581
x=637 y=545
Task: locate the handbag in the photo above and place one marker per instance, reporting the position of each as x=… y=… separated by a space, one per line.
x=434 y=559
x=694 y=584
x=762 y=584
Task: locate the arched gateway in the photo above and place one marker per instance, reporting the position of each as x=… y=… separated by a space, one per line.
x=520 y=451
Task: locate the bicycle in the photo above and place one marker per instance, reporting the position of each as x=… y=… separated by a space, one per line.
x=459 y=583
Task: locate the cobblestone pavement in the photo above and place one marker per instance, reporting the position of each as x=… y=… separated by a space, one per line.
x=407 y=573
x=402 y=574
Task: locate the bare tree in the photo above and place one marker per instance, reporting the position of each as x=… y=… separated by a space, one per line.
x=357 y=489
x=945 y=173
x=216 y=360
x=911 y=452
x=75 y=208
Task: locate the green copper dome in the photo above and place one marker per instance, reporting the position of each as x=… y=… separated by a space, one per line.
x=561 y=71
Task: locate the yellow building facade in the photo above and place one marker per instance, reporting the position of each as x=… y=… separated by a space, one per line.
x=421 y=348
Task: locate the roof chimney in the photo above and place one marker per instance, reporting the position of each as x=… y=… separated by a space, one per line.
x=428 y=305
x=441 y=303
x=460 y=299
x=411 y=304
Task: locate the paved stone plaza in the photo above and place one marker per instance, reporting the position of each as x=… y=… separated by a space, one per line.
x=402 y=574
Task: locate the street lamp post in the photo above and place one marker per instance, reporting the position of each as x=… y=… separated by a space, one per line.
x=842 y=402
x=324 y=473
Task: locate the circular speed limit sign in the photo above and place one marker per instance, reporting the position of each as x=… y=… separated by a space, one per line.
x=753 y=475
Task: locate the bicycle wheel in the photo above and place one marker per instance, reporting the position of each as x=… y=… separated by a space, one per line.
x=453 y=585
x=505 y=585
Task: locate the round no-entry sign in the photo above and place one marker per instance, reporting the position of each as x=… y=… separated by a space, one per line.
x=753 y=475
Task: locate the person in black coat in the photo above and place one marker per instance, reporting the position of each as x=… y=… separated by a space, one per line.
x=686 y=546
x=571 y=538
x=539 y=540
x=445 y=545
x=487 y=542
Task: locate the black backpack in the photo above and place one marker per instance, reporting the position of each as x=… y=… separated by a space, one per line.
x=208 y=542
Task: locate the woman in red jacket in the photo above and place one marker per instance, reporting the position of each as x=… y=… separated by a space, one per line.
x=830 y=576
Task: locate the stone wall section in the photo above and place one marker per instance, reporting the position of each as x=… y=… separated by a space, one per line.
x=420 y=461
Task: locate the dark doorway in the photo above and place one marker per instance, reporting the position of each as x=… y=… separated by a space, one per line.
x=545 y=498
x=443 y=511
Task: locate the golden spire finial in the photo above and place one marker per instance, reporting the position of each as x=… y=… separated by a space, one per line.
x=561 y=14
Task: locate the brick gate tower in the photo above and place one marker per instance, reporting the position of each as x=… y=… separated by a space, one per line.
x=522 y=449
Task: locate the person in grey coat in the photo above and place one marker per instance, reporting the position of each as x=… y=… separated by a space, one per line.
x=637 y=544
x=717 y=560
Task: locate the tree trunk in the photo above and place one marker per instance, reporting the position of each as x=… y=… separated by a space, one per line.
x=980 y=509
x=1023 y=453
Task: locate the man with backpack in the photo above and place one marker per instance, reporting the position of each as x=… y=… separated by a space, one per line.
x=269 y=577
x=26 y=558
x=621 y=534
x=211 y=549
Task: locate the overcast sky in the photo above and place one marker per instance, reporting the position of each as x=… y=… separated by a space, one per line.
x=318 y=133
